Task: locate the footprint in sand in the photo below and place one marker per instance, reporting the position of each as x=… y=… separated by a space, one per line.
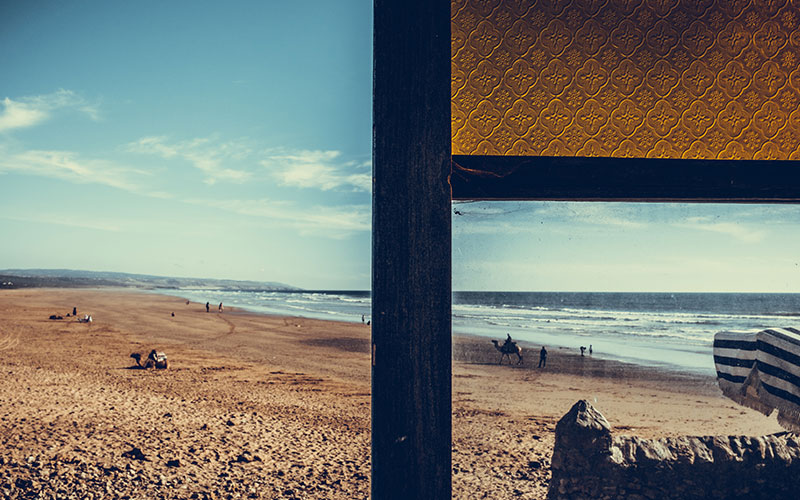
x=231 y=329
x=231 y=326
x=8 y=340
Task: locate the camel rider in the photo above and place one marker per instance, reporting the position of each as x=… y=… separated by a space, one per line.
x=509 y=342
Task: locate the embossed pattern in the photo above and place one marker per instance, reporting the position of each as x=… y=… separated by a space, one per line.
x=627 y=78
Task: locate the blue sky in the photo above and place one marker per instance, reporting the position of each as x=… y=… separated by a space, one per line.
x=214 y=139
x=233 y=141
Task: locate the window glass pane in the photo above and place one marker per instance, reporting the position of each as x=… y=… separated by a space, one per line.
x=643 y=287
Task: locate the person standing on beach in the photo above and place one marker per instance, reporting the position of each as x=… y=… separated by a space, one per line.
x=74 y=311
x=220 y=307
x=543 y=358
x=207 y=305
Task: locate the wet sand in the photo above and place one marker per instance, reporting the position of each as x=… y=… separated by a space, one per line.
x=257 y=406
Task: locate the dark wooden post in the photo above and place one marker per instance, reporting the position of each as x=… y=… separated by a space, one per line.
x=411 y=293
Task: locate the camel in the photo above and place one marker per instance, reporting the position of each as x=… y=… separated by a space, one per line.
x=508 y=349
x=156 y=359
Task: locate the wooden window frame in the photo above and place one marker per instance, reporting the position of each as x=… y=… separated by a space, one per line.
x=624 y=179
x=411 y=240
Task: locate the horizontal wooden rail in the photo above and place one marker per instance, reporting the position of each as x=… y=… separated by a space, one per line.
x=624 y=179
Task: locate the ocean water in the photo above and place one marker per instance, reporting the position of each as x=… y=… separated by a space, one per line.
x=670 y=330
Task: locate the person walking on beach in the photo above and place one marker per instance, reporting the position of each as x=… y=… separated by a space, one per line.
x=207 y=305
x=74 y=311
x=583 y=349
x=543 y=358
x=220 y=307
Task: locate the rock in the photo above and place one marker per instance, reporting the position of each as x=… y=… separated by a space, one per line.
x=110 y=470
x=135 y=454
x=246 y=457
x=589 y=463
x=583 y=436
x=23 y=484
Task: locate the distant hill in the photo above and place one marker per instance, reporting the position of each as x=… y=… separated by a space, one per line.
x=71 y=278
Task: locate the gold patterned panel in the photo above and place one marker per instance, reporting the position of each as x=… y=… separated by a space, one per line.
x=627 y=78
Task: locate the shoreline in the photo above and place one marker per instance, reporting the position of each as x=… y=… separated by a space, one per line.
x=471 y=348
x=293 y=392
x=567 y=360
x=704 y=367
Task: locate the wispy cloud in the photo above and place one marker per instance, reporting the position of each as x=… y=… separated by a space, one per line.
x=529 y=217
x=205 y=154
x=61 y=220
x=69 y=166
x=688 y=273
x=19 y=115
x=327 y=221
x=32 y=110
x=742 y=232
x=318 y=169
x=605 y=214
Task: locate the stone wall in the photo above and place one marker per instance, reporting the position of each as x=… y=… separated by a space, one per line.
x=590 y=463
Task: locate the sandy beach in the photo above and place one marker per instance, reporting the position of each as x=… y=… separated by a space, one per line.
x=257 y=406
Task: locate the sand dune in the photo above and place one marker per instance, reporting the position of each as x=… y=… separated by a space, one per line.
x=260 y=406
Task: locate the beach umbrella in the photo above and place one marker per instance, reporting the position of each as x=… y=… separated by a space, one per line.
x=761 y=370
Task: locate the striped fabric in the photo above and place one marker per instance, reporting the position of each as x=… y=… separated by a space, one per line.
x=761 y=370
